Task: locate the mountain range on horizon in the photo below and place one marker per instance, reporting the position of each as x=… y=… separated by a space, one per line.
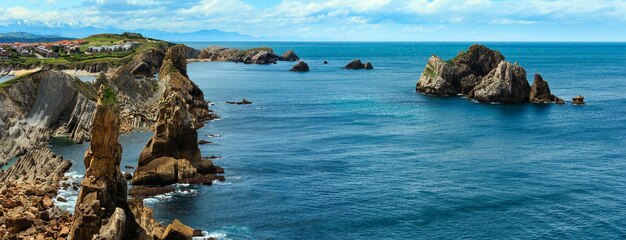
x=27 y=31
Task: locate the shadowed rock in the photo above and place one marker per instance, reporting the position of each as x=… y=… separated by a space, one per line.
x=301 y=66
x=506 y=83
x=289 y=55
x=540 y=92
x=357 y=64
x=578 y=100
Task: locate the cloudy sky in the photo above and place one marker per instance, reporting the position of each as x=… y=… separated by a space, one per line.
x=343 y=20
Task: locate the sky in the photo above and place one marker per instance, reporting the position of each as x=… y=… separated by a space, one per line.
x=339 y=20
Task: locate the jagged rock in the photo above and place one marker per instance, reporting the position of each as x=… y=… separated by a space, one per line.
x=368 y=66
x=506 y=84
x=114 y=229
x=142 y=69
x=128 y=176
x=172 y=154
x=172 y=79
x=243 y=101
x=357 y=64
x=301 y=66
x=540 y=92
x=191 y=53
x=144 y=217
x=178 y=231
x=289 y=55
x=104 y=188
x=262 y=55
x=35 y=104
x=437 y=78
x=578 y=100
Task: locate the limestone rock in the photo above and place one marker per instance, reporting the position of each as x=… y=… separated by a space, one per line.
x=506 y=84
x=104 y=189
x=301 y=66
x=261 y=55
x=437 y=78
x=114 y=229
x=264 y=57
x=178 y=231
x=540 y=92
x=289 y=55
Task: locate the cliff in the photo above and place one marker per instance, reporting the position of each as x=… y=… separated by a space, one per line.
x=35 y=106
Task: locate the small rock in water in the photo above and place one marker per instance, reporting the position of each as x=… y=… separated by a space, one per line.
x=129 y=167
x=325 y=62
x=301 y=66
x=61 y=199
x=201 y=142
x=128 y=176
x=244 y=101
x=578 y=100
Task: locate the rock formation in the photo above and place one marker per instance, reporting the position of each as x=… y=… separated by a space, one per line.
x=301 y=66
x=172 y=154
x=357 y=64
x=289 y=55
x=102 y=200
x=37 y=106
x=481 y=74
x=578 y=100
x=506 y=83
x=26 y=192
x=540 y=92
x=263 y=55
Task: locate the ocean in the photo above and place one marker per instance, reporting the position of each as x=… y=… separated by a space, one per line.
x=355 y=154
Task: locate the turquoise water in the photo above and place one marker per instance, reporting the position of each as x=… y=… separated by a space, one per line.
x=344 y=154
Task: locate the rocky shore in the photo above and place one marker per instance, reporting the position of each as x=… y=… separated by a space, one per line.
x=483 y=75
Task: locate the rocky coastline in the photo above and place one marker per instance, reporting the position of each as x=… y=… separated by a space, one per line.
x=262 y=55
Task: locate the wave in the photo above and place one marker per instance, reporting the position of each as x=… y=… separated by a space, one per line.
x=182 y=190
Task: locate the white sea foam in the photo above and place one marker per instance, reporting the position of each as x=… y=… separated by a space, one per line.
x=213 y=235
x=182 y=190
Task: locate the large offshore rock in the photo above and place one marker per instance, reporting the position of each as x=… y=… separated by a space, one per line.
x=263 y=55
x=357 y=64
x=301 y=66
x=505 y=84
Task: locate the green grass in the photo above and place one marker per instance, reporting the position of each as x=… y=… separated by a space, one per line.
x=109 y=97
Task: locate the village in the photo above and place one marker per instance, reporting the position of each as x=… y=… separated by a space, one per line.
x=59 y=48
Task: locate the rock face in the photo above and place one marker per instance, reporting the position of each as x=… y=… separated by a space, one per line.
x=301 y=66
x=42 y=104
x=289 y=55
x=540 y=92
x=104 y=188
x=263 y=55
x=357 y=64
x=172 y=154
x=147 y=63
x=481 y=74
x=437 y=78
x=506 y=83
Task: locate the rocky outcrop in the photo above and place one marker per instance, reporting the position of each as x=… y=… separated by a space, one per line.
x=578 y=100
x=242 y=102
x=263 y=55
x=301 y=66
x=26 y=192
x=178 y=231
x=289 y=55
x=104 y=187
x=437 y=78
x=37 y=106
x=540 y=92
x=147 y=63
x=481 y=74
x=506 y=84
x=172 y=154
x=191 y=53
x=357 y=64
x=173 y=79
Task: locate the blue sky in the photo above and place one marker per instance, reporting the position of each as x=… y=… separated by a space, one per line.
x=340 y=20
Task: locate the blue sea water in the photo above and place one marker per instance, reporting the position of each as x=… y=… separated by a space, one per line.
x=344 y=154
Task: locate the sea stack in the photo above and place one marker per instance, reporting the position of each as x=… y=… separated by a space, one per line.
x=540 y=92
x=483 y=75
x=102 y=208
x=289 y=55
x=172 y=154
x=357 y=64
x=578 y=100
x=301 y=66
